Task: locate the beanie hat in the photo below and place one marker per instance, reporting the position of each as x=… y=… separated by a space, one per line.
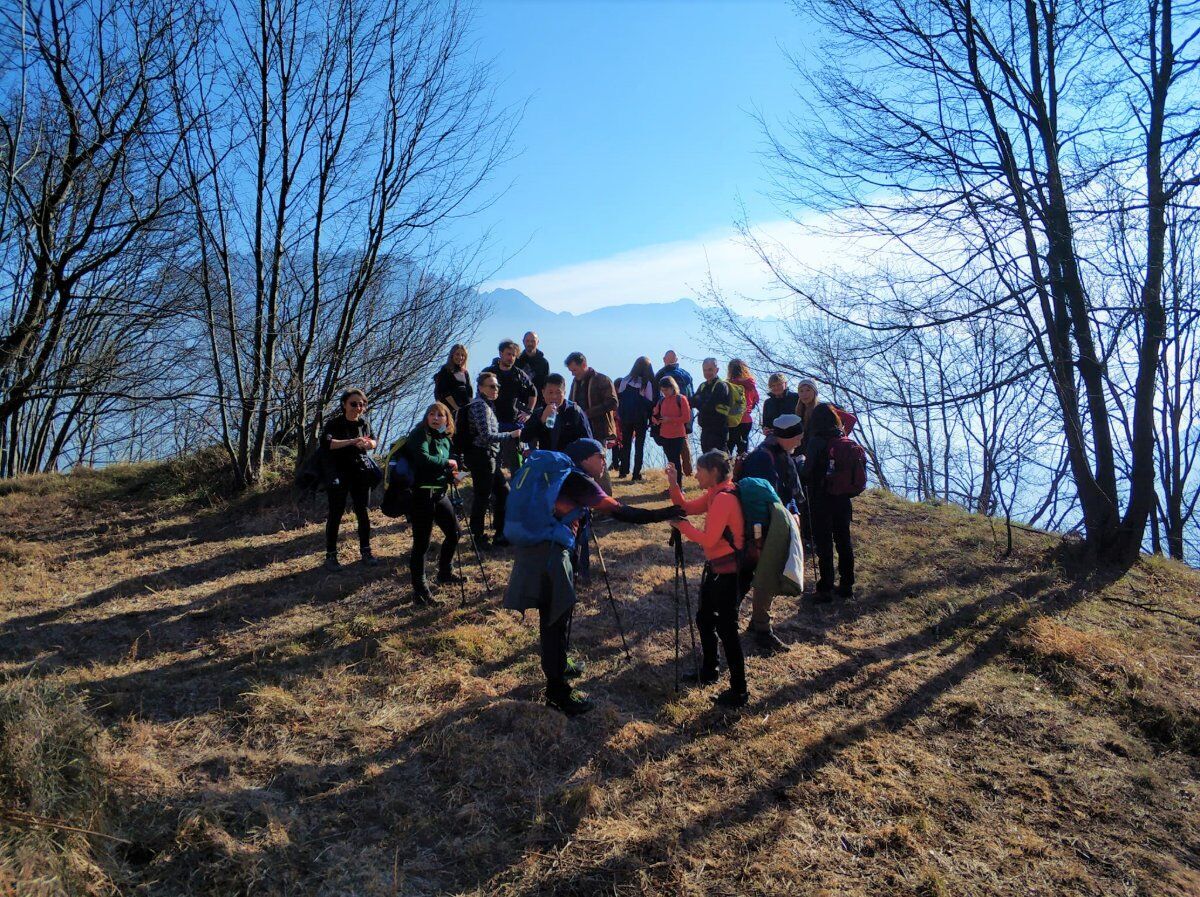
x=582 y=449
x=787 y=425
x=810 y=383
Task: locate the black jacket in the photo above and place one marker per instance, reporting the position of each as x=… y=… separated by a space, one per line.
x=572 y=424
x=823 y=425
x=536 y=367
x=706 y=400
x=445 y=384
x=773 y=407
x=516 y=391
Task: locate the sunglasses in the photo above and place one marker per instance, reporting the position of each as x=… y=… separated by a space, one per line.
x=358 y=404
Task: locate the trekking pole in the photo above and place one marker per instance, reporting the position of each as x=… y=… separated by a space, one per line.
x=487 y=587
x=611 y=600
x=812 y=539
x=681 y=575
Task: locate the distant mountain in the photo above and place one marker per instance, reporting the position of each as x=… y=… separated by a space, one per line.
x=612 y=338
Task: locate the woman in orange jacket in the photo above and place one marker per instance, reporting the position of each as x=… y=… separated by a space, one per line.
x=722 y=587
x=672 y=415
x=739 y=436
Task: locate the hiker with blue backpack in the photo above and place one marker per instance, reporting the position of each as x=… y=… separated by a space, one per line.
x=551 y=496
x=635 y=401
x=348 y=472
x=725 y=580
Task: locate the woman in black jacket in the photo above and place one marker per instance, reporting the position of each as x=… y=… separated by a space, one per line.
x=452 y=382
x=345 y=440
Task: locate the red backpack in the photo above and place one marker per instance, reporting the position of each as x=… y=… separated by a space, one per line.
x=847 y=467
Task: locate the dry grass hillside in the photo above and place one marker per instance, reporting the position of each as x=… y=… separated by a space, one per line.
x=191 y=707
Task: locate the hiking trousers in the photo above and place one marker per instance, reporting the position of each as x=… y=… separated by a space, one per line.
x=673 y=448
x=488 y=485
x=430 y=507
x=633 y=445
x=359 y=494
x=717 y=618
x=831 y=519
x=739 y=438
x=714 y=438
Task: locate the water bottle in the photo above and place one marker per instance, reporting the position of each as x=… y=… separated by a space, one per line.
x=552 y=419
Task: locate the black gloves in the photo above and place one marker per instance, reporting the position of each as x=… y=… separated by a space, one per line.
x=627 y=514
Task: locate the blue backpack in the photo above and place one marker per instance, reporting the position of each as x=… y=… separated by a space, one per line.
x=530 y=516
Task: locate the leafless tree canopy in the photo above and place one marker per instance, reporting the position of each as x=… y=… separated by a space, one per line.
x=213 y=217
x=1030 y=170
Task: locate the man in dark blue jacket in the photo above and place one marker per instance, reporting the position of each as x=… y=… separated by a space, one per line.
x=569 y=422
x=774 y=459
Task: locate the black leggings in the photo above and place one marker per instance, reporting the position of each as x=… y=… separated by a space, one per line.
x=487 y=482
x=337 y=507
x=673 y=449
x=831 y=519
x=428 y=508
x=633 y=443
x=717 y=617
x=739 y=439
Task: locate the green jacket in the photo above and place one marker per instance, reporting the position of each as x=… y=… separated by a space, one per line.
x=781 y=540
x=428 y=453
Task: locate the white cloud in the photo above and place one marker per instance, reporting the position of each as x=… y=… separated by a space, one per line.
x=668 y=271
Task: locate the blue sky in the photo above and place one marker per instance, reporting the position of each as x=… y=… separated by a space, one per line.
x=637 y=143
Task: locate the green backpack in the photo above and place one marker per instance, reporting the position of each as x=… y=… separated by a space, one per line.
x=737 y=404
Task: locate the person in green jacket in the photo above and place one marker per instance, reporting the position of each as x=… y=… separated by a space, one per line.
x=428 y=453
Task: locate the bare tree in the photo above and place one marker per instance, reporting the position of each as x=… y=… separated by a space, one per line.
x=337 y=140
x=973 y=136
x=88 y=147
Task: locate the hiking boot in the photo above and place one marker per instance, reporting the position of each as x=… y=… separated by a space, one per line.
x=482 y=542
x=450 y=579
x=499 y=541
x=823 y=596
x=421 y=595
x=368 y=558
x=331 y=562
x=704 y=677
x=636 y=478
x=574 y=668
x=568 y=700
x=768 y=643
x=846 y=592
x=731 y=698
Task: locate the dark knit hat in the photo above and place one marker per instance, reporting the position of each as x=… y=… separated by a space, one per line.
x=582 y=449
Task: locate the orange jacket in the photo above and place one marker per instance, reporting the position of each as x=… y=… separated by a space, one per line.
x=673 y=414
x=724 y=513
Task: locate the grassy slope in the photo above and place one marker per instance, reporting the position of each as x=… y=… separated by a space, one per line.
x=970 y=724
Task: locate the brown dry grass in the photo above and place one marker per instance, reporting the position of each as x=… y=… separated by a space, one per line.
x=969 y=724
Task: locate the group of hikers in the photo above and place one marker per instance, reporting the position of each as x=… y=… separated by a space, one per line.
x=540 y=451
